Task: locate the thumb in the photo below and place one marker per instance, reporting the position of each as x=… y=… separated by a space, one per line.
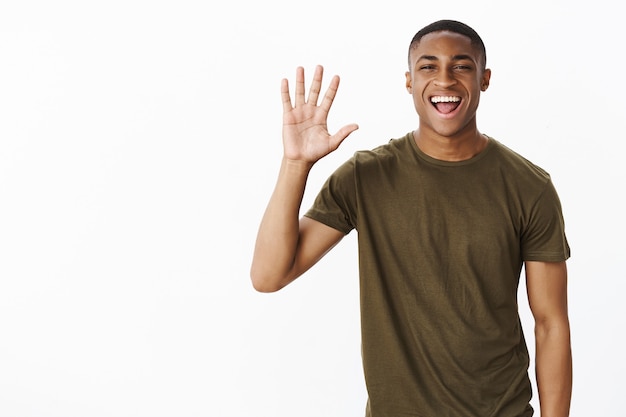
x=344 y=132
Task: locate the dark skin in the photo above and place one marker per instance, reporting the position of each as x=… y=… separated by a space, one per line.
x=446 y=64
x=444 y=67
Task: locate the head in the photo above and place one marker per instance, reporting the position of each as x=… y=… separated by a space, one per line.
x=447 y=73
x=454 y=27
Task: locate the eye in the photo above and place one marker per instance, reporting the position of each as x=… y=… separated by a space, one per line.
x=462 y=67
x=427 y=67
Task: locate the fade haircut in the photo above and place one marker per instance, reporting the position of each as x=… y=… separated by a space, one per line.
x=450 y=26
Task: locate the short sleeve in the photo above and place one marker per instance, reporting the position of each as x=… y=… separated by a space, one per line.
x=335 y=204
x=543 y=238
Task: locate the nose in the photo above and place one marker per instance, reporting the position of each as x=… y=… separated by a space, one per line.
x=444 y=79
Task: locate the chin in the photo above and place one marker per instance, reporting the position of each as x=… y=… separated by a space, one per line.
x=451 y=128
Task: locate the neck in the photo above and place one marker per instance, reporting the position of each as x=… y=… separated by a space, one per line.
x=455 y=148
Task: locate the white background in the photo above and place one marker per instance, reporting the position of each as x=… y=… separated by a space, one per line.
x=139 y=144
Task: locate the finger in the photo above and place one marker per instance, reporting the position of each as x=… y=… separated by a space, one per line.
x=285 y=96
x=343 y=133
x=316 y=85
x=299 y=86
x=331 y=92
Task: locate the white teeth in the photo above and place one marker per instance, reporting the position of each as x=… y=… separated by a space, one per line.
x=444 y=99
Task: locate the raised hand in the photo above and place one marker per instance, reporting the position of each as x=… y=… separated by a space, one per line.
x=305 y=131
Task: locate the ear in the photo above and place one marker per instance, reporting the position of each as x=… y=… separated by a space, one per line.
x=484 y=83
x=409 y=82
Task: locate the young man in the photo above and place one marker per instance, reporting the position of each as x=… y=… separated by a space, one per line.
x=446 y=218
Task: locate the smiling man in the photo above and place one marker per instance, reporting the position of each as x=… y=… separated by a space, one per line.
x=447 y=218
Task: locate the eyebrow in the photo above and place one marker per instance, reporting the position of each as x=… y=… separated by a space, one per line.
x=454 y=58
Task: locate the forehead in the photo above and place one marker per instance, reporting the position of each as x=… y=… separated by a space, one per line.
x=445 y=44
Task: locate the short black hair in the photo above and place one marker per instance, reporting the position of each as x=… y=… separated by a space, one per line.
x=450 y=26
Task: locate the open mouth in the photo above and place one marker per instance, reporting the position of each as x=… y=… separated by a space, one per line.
x=445 y=104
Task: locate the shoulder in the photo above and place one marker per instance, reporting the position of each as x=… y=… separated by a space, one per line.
x=518 y=166
x=369 y=166
x=391 y=151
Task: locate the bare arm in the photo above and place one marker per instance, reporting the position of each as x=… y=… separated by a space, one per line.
x=287 y=246
x=547 y=295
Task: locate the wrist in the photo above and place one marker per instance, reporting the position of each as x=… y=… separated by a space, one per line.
x=296 y=165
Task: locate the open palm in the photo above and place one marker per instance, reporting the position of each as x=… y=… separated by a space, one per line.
x=305 y=131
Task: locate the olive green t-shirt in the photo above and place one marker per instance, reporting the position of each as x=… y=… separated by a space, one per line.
x=441 y=248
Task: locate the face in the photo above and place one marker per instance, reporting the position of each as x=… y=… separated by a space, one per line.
x=445 y=80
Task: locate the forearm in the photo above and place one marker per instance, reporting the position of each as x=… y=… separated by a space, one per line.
x=278 y=234
x=554 y=368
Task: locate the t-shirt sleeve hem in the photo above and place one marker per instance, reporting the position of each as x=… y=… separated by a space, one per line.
x=546 y=257
x=327 y=220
